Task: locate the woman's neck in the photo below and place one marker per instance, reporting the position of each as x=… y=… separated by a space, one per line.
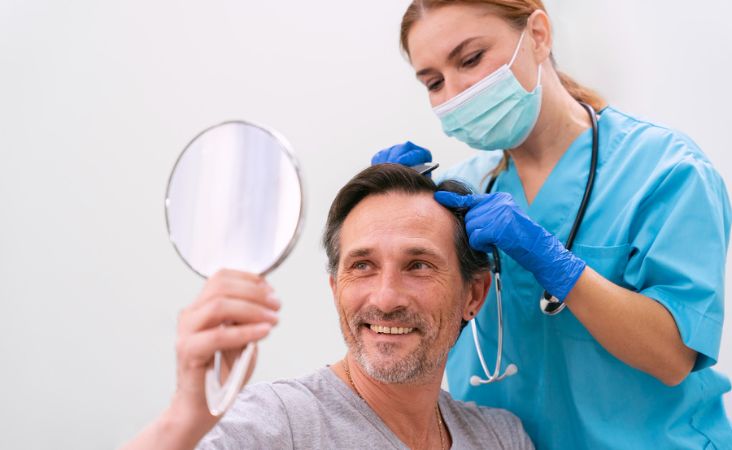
x=561 y=121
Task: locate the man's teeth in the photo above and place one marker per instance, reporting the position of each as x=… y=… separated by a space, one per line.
x=391 y=330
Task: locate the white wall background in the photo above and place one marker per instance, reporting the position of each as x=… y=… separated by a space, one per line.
x=98 y=98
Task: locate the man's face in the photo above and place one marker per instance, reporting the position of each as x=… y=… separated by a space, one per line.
x=398 y=289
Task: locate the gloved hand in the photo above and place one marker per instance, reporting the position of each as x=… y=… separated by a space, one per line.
x=494 y=219
x=406 y=154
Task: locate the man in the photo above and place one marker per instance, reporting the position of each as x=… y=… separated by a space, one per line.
x=404 y=281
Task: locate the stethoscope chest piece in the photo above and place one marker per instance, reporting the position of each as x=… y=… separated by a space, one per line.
x=550 y=306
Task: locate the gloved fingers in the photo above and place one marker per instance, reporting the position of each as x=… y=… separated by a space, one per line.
x=489 y=206
x=482 y=239
x=380 y=157
x=453 y=200
x=410 y=154
x=407 y=154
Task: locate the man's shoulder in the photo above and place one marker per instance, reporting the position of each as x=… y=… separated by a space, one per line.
x=293 y=393
x=310 y=384
x=471 y=411
x=271 y=414
x=478 y=423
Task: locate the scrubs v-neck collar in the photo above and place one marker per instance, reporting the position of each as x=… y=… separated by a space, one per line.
x=555 y=205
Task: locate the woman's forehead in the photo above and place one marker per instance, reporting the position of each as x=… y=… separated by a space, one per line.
x=440 y=30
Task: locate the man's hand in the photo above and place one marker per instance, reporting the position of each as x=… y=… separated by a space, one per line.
x=234 y=309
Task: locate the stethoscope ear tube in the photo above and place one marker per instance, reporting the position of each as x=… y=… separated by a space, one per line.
x=496 y=269
x=549 y=304
x=511 y=369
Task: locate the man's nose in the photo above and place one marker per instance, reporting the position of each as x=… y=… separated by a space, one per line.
x=389 y=293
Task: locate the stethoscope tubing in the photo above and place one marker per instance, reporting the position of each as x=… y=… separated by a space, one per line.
x=549 y=305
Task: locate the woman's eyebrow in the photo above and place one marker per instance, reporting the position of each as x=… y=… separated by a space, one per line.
x=459 y=48
x=450 y=56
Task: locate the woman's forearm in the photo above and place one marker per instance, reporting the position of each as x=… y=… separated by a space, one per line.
x=634 y=328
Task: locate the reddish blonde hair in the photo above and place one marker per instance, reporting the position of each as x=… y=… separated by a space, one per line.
x=516 y=13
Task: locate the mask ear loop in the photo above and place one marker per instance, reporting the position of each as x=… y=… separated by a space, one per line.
x=518 y=47
x=515 y=54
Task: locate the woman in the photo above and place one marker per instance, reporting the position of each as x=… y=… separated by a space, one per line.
x=627 y=363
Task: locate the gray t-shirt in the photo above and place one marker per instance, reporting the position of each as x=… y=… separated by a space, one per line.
x=320 y=411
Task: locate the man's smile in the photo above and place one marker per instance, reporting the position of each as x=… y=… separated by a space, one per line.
x=390 y=330
x=385 y=332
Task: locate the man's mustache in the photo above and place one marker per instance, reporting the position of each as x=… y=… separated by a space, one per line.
x=404 y=317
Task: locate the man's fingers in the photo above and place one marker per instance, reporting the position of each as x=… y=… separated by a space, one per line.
x=232 y=284
x=231 y=273
x=226 y=310
x=196 y=350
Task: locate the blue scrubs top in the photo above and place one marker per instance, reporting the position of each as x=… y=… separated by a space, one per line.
x=658 y=223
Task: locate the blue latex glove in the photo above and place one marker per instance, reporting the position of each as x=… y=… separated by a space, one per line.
x=494 y=219
x=406 y=154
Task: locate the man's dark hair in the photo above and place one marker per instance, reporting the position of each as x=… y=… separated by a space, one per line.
x=385 y=178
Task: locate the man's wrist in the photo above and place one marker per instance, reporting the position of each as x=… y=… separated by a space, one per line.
x=177 y=428
x=167 y=432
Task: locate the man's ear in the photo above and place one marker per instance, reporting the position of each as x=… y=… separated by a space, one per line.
x=477 y=291
x=332 y=282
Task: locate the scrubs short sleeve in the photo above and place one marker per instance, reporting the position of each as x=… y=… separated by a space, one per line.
x=679 y=250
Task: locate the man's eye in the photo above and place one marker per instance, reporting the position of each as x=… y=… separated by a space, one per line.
x=472 y=60
x=360 y=265
x=419 y=265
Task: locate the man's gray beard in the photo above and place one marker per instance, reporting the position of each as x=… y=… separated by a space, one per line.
x=416 y=366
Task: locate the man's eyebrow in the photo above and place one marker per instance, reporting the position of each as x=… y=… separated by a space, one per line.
x=412 y=251
x=423 y=251
x=358 y=253
x=450 y=56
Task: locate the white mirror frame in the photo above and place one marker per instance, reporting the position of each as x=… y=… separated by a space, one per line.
x=220 y=397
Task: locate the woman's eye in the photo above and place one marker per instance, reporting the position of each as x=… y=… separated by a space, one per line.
x=473 y=59
x=434 y=85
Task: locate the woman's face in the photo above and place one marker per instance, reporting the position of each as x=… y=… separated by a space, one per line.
x=454 y=47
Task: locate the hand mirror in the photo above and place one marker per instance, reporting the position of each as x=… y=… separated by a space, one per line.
x=234 y=201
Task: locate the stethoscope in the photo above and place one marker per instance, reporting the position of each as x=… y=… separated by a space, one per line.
x=548 y=304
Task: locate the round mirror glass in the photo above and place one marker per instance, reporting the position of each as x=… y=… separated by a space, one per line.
x=235 y=199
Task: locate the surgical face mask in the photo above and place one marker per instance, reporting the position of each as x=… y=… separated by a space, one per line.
x=495 y=113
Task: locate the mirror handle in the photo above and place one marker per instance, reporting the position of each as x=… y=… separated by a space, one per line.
x=219 y=397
